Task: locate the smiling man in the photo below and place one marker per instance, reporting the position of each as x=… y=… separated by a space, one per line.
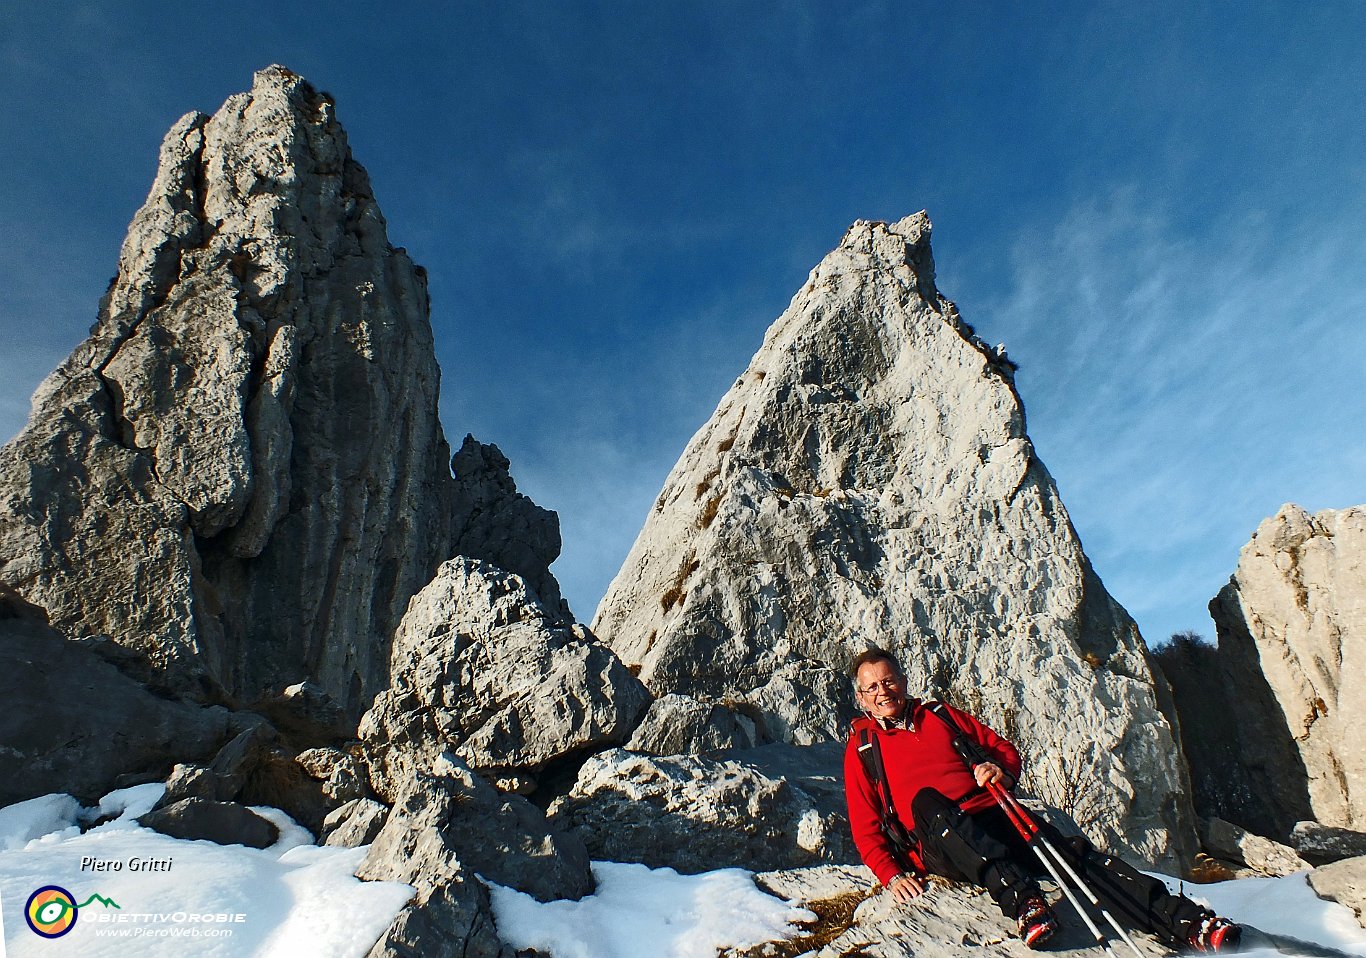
x=916 y=808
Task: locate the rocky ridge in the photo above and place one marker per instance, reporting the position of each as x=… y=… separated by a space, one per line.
x=869 y=480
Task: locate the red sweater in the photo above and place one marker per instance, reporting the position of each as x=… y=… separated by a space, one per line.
x=923 y=758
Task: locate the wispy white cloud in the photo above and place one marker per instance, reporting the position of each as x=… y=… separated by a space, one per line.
x=1183 y=382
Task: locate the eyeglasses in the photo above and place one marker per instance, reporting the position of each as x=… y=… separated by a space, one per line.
x=891 y=685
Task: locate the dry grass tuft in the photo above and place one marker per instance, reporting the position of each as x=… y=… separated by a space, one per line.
x=709 y=512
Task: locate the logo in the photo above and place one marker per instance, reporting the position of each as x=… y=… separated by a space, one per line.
x=52 y=910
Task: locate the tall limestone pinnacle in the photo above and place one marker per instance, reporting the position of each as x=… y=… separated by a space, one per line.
x=869 y=480
x=241 y=473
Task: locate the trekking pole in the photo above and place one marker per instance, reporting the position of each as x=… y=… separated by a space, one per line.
x=1034 y=836
x=1057 y=878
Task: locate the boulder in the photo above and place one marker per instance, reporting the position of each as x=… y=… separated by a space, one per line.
x=342 y=773
x=1322 y=844
x=695 y=814
x=869 y=480
x=1231 y=843
x=676 y=724
x=199 y=819
x=1343 y=882
x=254 y=769
x=1292 y=641
x=72 y=722
x=449 y=915
x=482 y=668
x=241 y=475
x=444 y=830
x=354 y=824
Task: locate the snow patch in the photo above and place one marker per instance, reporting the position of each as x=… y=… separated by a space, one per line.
x=638 y=911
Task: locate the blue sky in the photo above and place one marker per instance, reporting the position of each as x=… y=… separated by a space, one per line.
x=1157 y=207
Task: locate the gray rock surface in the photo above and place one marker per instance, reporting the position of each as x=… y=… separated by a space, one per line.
x=1322 y=844
x=356 y=823
x=950 y=919
x=497 y=523
x=71 y=722
x=677 y=724
x=1229 y=842
x=254 y=769
x=695 y=813
x=441 y=832
x=241 y=473
x=485 y=670
x=1292 y=640
x=1343 y=882
x=449 y=915
x=200 y=819
x=341 y=773
x=869 y=479
x=504 y=838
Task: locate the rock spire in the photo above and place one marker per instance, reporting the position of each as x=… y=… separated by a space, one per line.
x=868 y=480
x=241 y=473
x=1292 y=641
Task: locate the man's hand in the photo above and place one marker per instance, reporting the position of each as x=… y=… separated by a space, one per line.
x=991 y=773
x=905 y=887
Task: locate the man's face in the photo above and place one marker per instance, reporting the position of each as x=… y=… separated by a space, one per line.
x=881 y=689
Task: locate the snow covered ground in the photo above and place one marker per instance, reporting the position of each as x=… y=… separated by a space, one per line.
x=297 y=900
x=293 y=898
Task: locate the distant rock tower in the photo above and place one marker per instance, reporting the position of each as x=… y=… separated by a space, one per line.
x=868 y=480
x=241 y=473
x=1292 y=643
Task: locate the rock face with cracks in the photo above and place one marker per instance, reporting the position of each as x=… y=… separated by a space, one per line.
x=1292 y=641
x=241 y=473
x=483 y=669
x=868 y=480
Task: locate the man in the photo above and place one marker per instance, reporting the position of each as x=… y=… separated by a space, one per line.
x=954 y=828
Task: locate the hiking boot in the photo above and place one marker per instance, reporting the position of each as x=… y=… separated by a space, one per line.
x=1035 y=921
x=1213 y=933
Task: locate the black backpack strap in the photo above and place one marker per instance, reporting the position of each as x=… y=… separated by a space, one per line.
x=969 y=751
x=902 y=844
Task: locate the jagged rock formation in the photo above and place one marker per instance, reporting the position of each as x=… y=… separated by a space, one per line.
x=868 y=479
x=241 y=472
x=483 y=669
x=1292 y=641
x=72 y=722
x=497 y=523
x=1222 y=785
x=1234 y=844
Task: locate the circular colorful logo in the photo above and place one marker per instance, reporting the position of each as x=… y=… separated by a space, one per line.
x=51 y=911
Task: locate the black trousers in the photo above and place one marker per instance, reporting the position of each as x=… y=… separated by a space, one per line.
x=986 y=849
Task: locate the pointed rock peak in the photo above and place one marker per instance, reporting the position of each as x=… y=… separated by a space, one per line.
x=868 y=481
x=241 y=472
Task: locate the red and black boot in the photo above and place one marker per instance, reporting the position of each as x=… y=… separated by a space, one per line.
x=1213 y=933
x=1035 y=921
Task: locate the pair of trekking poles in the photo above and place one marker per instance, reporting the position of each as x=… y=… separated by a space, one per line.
x=1052 y=859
